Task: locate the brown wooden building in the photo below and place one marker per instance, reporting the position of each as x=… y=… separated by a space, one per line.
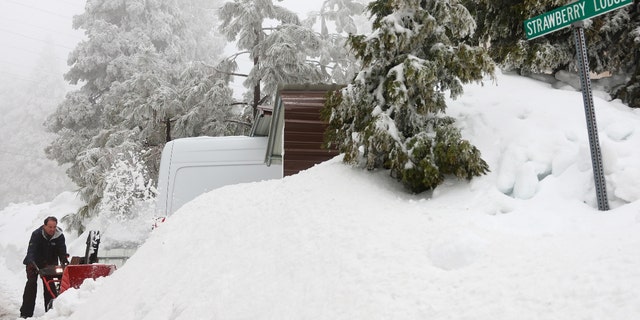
x=295 y=130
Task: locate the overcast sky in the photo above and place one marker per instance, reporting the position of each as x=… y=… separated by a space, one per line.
x=25 y=28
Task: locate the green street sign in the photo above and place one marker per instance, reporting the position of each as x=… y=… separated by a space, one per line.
x=564 y=16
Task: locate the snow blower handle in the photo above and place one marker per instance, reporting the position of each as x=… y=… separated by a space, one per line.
x=35 y=266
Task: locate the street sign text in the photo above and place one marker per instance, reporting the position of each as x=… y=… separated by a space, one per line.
x=564 y=16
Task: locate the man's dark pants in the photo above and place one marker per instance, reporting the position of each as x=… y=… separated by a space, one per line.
x=30 y=292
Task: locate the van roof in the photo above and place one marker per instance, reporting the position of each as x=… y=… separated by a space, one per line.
x=238 y=148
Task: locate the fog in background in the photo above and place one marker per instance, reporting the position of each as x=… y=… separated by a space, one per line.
x=36 y=37
x=27 y=27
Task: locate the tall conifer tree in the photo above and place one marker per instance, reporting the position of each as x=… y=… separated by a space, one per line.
x=392 y=115
x=131 y=70
x=334 y=57
x=279 y=53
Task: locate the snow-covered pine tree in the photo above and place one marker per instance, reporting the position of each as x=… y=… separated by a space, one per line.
x=334 y=57
x=392 y=115
x=500 y=28
x=208 y=103
x=279 y=53
x=131 y=69
x=609 y=39
x=625 y=46
x=128 y=186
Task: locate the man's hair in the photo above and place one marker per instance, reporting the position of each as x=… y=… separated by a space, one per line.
x=50 y=219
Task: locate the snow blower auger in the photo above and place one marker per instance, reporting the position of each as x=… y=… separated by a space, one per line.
x=57 y=279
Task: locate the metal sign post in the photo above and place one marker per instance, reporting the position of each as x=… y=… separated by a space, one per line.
x=592 y=128
x=574 y=14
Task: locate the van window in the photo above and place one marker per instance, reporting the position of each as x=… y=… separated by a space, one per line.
x=195 y=180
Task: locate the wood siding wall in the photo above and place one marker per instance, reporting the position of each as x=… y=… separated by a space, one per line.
x=303 y=130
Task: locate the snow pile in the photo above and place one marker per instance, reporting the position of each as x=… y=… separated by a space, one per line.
x=17 y=221
x=364 y=251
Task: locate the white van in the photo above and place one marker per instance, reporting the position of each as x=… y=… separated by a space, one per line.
x=192 y=166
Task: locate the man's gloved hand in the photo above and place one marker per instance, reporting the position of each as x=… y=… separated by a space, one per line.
x=32 y=270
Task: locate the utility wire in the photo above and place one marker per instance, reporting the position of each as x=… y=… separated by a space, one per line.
x=27 y=78
x=75 y=5
x=31 y=68
x=19 y=78
x=12 y=63
x=39 y=9
x=33 y=38
x=20 y=154
x=63 y=60
x=22 y=22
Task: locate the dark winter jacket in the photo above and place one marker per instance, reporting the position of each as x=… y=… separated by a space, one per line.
x=45 y=250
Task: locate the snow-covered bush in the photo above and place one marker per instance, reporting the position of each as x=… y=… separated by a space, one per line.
x=127 y=188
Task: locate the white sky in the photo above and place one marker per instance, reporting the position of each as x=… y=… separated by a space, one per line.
x=334 y=242
x=25 y=28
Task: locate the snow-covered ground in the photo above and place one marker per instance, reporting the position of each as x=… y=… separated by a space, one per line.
x=525 y=241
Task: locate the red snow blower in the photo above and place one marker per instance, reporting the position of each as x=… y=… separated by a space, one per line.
x=57 y=279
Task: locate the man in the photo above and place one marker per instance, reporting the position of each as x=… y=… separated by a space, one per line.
x=46 y=247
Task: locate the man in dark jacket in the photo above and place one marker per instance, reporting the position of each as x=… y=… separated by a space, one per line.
x=46 y=247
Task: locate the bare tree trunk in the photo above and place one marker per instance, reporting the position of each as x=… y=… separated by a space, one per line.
x=256 y=68
x=256 y=89
x=167 y=131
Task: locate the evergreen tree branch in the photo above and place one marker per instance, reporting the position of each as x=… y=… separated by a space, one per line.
x=214 y=68
x=244 y=123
